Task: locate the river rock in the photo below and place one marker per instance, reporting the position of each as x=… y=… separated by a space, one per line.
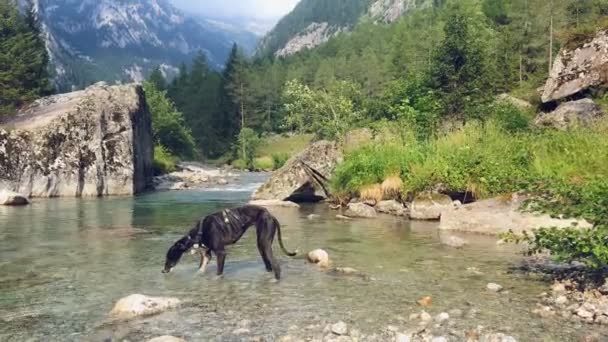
x=578 y=68
x=93 y=142
x=305 y=176
x=319 y=257
x=425 y=317
x=391 y=207
x=399 y=337
x=493 y=287
x=166 y=338
x=339 y=328
x=499 y=215
x=429 y=206
x=442 y=317
x=360 y=210
x=571 y=114
x=497 y=337
x=138 y=305
x=274 y=203
x=12 y=198
x=313 y=217
x=453 y=241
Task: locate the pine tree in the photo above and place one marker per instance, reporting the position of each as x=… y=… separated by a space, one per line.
x=156 y=77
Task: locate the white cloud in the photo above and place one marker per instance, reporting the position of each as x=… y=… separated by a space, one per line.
x=260 y=9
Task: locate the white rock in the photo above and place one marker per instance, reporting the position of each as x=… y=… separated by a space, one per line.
x=402 y=338
x=493 y=287
x=241 y=331
x=453 y=241
x=439 y=339
x=138 y=305
x=319 y=257
x=425 y=317
x=339 y=328
x=275 y=203
x=166 y=338
x=313 y=217
x=442 y=317
x=360 y=210
x=561 y=300
x=581 y=312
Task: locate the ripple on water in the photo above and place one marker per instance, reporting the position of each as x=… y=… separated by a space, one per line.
x=66 y=262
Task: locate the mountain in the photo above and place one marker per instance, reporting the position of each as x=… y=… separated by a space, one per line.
x=313 y=22
x=121 y=40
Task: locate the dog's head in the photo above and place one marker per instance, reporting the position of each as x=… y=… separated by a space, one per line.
x=175 y=253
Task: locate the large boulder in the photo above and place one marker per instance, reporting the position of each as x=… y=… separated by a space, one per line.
x=576 y=69
x=391 y=207
x=12 y=198
x=571 y=114
x=94 y=142
x=138 y=305
x=304 y=177
x=360 y=210
x=499 y=215
x=429 y=206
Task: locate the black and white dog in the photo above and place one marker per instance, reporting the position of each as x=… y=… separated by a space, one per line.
x=216 y=231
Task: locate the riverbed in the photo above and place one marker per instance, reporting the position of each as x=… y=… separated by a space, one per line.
x=65 y=262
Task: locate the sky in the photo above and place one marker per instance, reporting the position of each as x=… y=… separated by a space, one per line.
x=258 y=9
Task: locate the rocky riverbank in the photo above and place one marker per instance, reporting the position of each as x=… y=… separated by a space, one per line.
x=192 y=176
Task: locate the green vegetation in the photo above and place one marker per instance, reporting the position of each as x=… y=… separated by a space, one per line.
x=23 y=58
x=164 y=161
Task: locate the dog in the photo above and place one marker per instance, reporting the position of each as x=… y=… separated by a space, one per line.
x=216 y=231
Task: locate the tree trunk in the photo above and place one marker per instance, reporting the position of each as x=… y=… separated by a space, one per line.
x=551 y=39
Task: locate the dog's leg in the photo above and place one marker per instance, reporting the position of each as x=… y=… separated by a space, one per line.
x=205 y=258
x=221 y=258
x=264 y=255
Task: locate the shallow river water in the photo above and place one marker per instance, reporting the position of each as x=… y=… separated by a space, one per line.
x=65 y=262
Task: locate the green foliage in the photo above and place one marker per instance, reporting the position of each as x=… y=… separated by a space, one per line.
x=511 y=118
x=164 y=161
x=156 y=77
x=24 y=60
x=168 y=124
x=279 y=160
x=263 y=164
x=327 y=113
x=240 y=164
x=247 y=143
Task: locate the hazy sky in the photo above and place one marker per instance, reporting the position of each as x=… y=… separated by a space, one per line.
x=260 y=9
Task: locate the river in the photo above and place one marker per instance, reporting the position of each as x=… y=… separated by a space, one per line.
x=65 y=262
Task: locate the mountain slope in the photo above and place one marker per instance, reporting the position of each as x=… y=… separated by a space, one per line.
x=121 y=40
x=313 y=22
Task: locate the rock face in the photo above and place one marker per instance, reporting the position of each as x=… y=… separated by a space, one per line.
x=570 y=114
x=138 y=305
x=360 y=210
x=578 y=69
x=94 y=142
x=304 y=177
x=12 y=198
x=430 y=206
x=499 y=215
x=314 y=35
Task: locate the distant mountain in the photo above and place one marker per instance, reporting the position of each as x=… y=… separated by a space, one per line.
x=313 y=22
x=121 y=40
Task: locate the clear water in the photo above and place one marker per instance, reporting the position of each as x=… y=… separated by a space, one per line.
x=65 y=262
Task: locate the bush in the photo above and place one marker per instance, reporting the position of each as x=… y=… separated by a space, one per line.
x=240 y=164
x=164 y=161
x=263 y=164
x=279 y=160
x=510 y=117
x=246 y=146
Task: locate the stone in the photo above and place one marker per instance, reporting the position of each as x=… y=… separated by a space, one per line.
x=583 y=313
x=342 y=217
x=319 y=257
x=425 y=301
x=577 y=68
x=493 y=287
x=580 y=113
x=339 y=328
x=442 y=317
x=222 y=181
x=391 y=207
x=452 y=241
x=561 y=300
x=399 y=337
x=425 y=317
x=138 y=305
x=360 y=210
x=439 y=339
x=519 y=103
x=241 y=331
x=274 y=203
x=429 y=206
x=166 y=338
x=313 y=217
x=414 y=316
x=499 y=215
x=89 y=143
x=346 y=271
x=8 y=197
x=558 y=288
x=303 y=178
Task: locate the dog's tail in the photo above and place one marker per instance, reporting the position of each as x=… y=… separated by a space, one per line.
x=278 y=225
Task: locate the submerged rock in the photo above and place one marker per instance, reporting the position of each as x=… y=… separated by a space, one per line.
x=571 y=114
x=304 y=177
x=12 y=198
x=319 y=257
x=499 y=215
x=578 y=68
x=138 y=305
x=453 y=241
x=94 y=142
x=339 y=328
x=166 y=338
x=430 y=206
x=360 y=210
x=493 y=287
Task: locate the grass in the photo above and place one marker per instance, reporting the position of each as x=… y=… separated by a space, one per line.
x=372 y=193
x=263 y=164
x=164 y=161
x=285 y=145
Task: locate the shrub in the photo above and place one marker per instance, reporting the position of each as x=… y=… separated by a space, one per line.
x=510 y=117
x=240 y=164
x=263 y=164
x=279 y=160
x=164 y=161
